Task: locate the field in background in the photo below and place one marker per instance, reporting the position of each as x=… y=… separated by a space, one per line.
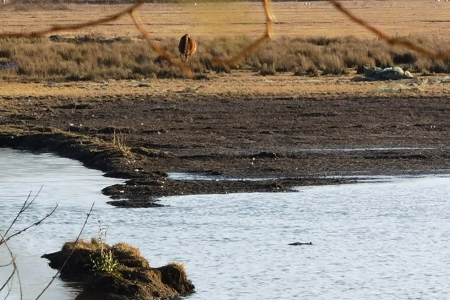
x=310 y=39
x=208 y=19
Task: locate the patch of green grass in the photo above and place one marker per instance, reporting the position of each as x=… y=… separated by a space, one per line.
x=105 y=262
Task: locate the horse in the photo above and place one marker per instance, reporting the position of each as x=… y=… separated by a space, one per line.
x=187 y=46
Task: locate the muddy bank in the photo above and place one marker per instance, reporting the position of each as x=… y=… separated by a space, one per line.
x=243 y=142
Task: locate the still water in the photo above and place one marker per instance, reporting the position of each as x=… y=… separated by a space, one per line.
x=387 y=239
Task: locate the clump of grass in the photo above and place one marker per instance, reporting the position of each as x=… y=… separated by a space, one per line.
x=103 y=259
x=119 y=140
x=120 y=273
x=268 y=70
x=106 y=263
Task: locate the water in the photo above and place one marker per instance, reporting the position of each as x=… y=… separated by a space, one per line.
x=52 y=181
x=385 y=239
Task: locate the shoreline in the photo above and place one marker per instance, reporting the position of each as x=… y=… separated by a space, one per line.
x=141 y=133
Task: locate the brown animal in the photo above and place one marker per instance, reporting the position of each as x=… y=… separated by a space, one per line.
x=187 y=46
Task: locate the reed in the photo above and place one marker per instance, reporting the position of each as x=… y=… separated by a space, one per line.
x=97 y=57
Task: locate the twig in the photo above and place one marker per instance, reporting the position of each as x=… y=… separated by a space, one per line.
x=28 y=227
x=24 y=207
x=15 y=269
x=267 y=36
x=73 y=249
x=385 y=37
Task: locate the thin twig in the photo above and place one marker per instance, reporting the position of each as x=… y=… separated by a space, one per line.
x=255 y=45
x=385 y=37
x=28 y=227
x=74 y=27
x=73 y=249
x=15 y=268
x=8 y=264
x=24 y=207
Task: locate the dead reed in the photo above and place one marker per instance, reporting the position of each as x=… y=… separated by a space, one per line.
x=96 y=57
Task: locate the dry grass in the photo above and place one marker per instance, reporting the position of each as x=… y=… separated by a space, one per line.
x=118 y=272
x=96 y=57
x=208 y=19
x=309 y=41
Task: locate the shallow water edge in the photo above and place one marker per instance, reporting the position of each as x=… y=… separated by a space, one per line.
x=292 y=140
x=143 y=189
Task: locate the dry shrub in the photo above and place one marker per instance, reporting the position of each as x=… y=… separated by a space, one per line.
x=333 y=65
x=268 y=70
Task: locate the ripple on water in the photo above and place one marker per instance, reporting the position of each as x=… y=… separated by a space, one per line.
x=52 y=180
x=379 y=240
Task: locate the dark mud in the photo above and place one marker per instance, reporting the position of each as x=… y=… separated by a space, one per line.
x=242 y=144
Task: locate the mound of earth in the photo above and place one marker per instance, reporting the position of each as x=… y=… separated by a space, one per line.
x=117 y=272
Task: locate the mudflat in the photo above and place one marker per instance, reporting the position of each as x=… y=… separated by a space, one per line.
x=244 y=132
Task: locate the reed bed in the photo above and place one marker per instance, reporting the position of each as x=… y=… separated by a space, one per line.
x=96 y=57
x=311 y=40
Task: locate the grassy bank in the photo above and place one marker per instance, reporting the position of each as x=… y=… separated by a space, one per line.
x=96 y=57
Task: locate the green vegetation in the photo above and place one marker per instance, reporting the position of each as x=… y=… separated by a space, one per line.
x=104 y=262
x=95 y=57
x=102 y=259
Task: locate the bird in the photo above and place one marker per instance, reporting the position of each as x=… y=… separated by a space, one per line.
x=300 y=244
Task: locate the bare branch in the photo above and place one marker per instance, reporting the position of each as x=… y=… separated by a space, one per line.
x=15 y=269
x=385 y=37
x=28 y=227
x=250 y=49
x=76 y=241
x=24 y=207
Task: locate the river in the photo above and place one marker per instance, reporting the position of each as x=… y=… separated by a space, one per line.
x=381 y=239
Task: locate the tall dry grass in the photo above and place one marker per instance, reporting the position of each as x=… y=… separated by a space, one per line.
x=95 y=57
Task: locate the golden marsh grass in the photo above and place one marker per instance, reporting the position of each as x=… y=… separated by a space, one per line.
x=309 y=40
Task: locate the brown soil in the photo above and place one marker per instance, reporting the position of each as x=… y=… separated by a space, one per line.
x=280 y=131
